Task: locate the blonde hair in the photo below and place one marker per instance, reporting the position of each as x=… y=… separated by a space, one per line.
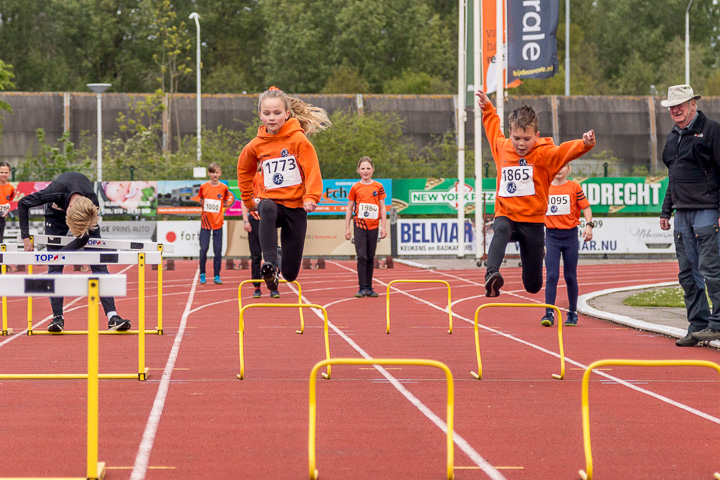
x=312 y=119
x=82 y=217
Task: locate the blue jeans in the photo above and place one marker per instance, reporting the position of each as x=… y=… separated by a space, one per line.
x=698 y=252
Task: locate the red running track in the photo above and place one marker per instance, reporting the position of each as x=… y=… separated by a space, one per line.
x=193 y=419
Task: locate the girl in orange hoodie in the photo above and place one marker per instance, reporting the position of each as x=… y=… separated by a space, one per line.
x=291 y=183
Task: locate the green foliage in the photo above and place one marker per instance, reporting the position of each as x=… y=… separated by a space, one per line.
x=52 y=160
x=6 y=83
x=380 y=137
x=662 y=297
x=416 y=83
x=346 y=80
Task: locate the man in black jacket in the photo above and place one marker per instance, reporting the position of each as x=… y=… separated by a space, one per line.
x=70 y=205
x=692 y=156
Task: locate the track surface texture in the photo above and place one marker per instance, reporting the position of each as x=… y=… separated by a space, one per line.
x=194 y=419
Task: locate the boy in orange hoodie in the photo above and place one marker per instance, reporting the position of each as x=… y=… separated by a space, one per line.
x=291 y=183
x=526 y=165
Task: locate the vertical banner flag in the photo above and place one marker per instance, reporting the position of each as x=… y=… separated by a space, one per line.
x=488 y=40
x=532 y=41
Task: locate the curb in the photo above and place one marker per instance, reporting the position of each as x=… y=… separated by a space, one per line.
x=586 y=309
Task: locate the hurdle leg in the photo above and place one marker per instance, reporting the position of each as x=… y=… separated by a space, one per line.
x=29 y=306
x=142 y=371
x=160 y=295
x=5 y=331
x=93 y=468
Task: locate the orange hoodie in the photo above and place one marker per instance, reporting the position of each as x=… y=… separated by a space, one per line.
x=290 y=168
x=545 y=160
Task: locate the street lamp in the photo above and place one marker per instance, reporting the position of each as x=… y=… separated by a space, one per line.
x=687 y=43
x=99 y=88
x=196 y=17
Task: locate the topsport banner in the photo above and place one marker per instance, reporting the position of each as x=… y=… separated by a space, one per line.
x=439 y=196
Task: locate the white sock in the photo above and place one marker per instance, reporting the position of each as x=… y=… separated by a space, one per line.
x=111 y=314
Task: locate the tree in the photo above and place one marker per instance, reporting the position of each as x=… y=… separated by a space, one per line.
x=5 y=83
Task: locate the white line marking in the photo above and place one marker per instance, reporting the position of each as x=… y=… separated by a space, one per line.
x=459 y=440
x=142 y=459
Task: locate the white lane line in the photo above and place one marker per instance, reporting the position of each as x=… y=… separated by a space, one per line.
x=568 y=360
x=142 y=458
x=462 y=444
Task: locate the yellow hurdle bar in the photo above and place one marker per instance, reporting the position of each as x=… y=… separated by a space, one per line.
x=387 y=300
x=478 y=375
x=382 y=361
x=241 y=329
x=3 y=271
x=587 y=474
x=302 y=319
x=95 y=470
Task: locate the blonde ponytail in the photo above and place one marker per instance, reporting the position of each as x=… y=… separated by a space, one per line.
x=312 y=119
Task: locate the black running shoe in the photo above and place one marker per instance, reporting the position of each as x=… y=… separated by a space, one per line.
x=57 y=324
x=360 y=293
x=274 y=294
x=493 y=282
x=118 y=323
x=258 y=293
x=369 y=292
x=269 y=273
x=548 y=320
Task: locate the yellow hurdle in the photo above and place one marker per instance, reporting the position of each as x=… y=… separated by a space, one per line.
x=387 y=300
x=381 y=361
x=587 y=474
x=3 y=270
x=240 y=305
x=241 y=329
x=478 y=375
x=95 y=470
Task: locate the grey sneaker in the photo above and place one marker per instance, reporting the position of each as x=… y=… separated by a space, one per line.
x=687 y=341
x=369 y=292
x=493 y=282
x=257 y=293
x=118 y=323
x=707 y=335
x=571 y=319
x=57 y=325
x=548 y=320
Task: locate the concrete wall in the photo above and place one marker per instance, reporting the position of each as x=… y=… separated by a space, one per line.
x=630 y=128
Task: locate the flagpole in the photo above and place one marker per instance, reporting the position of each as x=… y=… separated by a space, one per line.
x=478 y=83
x=500 y=59
x=462 y=88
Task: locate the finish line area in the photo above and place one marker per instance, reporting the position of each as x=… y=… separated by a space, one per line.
x=193 y=418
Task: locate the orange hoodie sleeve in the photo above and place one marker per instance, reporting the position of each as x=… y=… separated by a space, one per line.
x=565 y=153
x=246 y=170
x=491 y=122
x=308 y=160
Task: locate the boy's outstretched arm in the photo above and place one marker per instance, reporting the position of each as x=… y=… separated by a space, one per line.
x=482 y=98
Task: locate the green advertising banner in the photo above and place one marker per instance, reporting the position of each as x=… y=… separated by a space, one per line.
x=439 y=196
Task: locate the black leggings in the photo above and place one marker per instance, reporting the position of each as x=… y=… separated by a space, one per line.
x=292 y=223
x=365 y=246
x=255 y=249
x=531 y=237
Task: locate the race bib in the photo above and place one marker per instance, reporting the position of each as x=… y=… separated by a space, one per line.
x=517 y=181
x=281 y=172
x=368 y=211
x=558 y=205
x=212 y=206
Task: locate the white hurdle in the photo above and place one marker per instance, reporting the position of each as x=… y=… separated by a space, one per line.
x=89 y=258
x=129 y=246
x=93 y=287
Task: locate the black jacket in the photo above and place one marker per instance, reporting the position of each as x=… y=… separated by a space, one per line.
x=693 y=162
x=55 y=197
